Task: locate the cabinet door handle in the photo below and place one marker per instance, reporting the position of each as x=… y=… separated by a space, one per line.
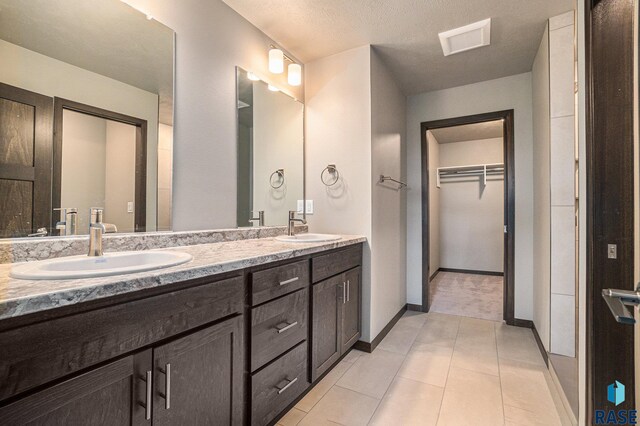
x=287 y=386
x=286 y=327
x=148 y=394
x=348 y=290
x=289 y=281
x=167 y=386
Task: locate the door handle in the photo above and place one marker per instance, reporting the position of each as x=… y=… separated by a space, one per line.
x=287 y=386
x=148 y=394
x=287 y=327
x=618 y=302
x=167 y=386
x=344 y=293
x=348 y=290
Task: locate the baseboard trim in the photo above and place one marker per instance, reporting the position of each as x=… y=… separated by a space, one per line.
x=470 y=271
x=433 y=276
x=543 y=351
x=415 y=308
x=517 y=322
x=370 y=347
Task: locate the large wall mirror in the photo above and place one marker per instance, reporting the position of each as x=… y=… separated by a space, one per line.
x=270 y=153
x=86 y=117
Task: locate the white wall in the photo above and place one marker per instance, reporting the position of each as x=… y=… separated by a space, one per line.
x=472 y=215
x=278 y=143
x=355 y=119
x=541 y=192
x=120 y=177
x=38 y=73
x=211 y=40
x=165 y=174
x=388 y=248
x=83 y=165
x=434 y=204
x=338 y=131
x=512 y=92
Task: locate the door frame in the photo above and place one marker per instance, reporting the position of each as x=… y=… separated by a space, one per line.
x=140 y=199
x=610 y=204
x=509 y=203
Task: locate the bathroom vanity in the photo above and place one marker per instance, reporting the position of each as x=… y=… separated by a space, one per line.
x=234 y=337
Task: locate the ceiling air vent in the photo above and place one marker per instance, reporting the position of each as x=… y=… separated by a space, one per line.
x=466 y=38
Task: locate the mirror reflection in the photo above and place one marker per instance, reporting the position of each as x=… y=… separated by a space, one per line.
x=86 y=117
x=270 y=153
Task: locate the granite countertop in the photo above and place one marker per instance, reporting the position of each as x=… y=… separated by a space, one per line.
x=21 y=297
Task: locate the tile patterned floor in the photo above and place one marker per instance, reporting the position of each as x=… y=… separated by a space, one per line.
x=471 y=295
x=436 y=369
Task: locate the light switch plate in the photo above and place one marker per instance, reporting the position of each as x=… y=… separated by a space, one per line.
x=300 y=207
x=130 y=207
x=309 y=207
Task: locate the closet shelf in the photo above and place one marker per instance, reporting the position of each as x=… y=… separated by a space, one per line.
x=483 y=170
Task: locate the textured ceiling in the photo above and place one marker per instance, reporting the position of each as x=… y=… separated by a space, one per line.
x=405 y=33
x=107 y=37
x=469 y=132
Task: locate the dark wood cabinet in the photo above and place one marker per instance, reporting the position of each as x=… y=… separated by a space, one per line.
x=336 y=319
x=351 y=309
x=327 y=316
x=198 y=378
x=114 y=394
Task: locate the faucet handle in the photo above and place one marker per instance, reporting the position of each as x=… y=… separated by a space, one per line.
x=64 y=211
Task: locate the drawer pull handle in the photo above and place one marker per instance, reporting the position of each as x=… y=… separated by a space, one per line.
x=167 y=386
x=344 y=293
x=287 y=386
x=147 y=404
x=286 y=327
x=348 y=291
x=289 y=281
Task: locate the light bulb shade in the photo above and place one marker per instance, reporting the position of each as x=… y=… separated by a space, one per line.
x=294 y=76
x=276 y=61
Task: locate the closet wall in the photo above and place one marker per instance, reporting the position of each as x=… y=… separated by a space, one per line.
x=466 y=218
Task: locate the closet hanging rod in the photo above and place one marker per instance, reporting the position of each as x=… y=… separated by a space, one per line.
x=384 y=178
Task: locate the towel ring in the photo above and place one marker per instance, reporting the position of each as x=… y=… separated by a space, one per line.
x=280 y=173
x=331 y=168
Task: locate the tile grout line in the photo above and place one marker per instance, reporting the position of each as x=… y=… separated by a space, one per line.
x=332 y=386
x=444 y=391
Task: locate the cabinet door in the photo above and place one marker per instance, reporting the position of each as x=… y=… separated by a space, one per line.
x=327 y=318
x=198 y=378
x=351 y=309
x=114 y=394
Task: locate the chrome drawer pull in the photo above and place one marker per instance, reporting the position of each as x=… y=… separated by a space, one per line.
x=348 y=290
x=148 y=394
x=292 y=280
x=287 y=386
x=344 y=293
x=287 y=327
x=167 y=386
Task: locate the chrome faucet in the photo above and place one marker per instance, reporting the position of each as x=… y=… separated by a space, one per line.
x=96 y=230
x=260 y=218
x=68 y=223
x=291 y=230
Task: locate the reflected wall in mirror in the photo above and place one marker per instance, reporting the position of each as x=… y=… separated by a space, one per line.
x=270 y=153
x=86 y=117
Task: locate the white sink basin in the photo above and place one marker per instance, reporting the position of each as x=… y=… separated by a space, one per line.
x=308 y=238
x=126 y=262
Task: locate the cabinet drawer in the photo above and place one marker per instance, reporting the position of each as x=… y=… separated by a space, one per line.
x=278 y=385
x=277 y=326
x=45 y=351
x=275 y=282
x=331 y=264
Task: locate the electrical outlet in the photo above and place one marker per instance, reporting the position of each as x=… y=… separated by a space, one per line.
x=130 y=207
x=300 y=208
x=309 y=206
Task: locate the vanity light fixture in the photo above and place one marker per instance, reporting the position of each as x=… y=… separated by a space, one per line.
x=294 y=75
x=251 y=76
x=276 y=60
x=273 y=88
